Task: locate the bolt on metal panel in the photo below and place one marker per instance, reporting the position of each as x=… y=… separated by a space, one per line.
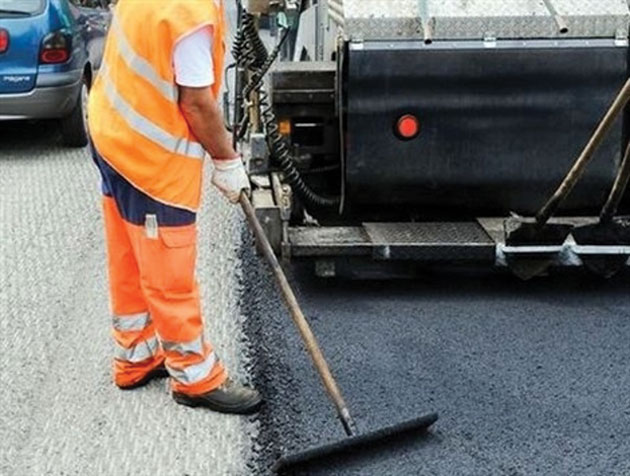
x=479 y=19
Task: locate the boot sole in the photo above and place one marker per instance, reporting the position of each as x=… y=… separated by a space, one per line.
x=241 y=409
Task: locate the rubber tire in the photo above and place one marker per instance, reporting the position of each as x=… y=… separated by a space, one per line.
x=74 y=127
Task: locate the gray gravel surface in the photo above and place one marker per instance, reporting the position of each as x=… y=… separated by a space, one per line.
x=528 y=378
x=60 y=414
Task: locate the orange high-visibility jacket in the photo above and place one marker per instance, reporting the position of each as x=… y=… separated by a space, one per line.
x=134 y=118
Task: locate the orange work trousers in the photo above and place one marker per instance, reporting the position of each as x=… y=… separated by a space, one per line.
x=151 y=252
x=156 y=305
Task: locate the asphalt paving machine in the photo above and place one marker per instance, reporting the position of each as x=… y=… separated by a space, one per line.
x=420 y=132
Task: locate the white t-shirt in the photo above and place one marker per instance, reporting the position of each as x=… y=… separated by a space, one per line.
x=192 y=59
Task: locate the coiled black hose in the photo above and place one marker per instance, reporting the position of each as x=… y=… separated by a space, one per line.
x=255 y=84
x=280 y=151
x=248 y=47
x=242 y=49
x=249 y=50
x=260 y=51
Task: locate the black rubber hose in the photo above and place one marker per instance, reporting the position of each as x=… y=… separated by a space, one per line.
x=249 y=50
x=255 y=84
x=260 y=51
x=248 y=47
x=280 y=152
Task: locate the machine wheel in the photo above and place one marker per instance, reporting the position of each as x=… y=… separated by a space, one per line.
x=74 y=128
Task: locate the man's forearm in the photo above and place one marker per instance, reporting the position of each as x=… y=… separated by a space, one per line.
x=205 y=119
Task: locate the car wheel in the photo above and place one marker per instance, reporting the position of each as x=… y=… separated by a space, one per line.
x=74 y=128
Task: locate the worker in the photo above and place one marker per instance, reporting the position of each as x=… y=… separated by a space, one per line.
x=153 y=118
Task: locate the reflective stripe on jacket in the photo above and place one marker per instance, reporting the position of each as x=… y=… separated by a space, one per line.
x=134 y=117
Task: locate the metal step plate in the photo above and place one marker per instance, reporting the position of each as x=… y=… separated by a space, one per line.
x=466 y=241
x=480 y=242
x=329 y=241
x=440 y=241
x=454 y=242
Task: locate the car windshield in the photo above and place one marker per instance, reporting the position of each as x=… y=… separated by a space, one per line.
x=20 y=7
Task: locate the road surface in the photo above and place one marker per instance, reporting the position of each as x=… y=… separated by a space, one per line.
x=529 y=378
x=60 y=414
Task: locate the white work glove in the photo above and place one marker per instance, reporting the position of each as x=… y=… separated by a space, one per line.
x=230 y=178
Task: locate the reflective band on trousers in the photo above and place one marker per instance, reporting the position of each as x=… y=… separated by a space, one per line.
x=180 y=146
x=192 y=347
x=194 y=373
x=141 y=351
x=131 y=322
x=141 y=66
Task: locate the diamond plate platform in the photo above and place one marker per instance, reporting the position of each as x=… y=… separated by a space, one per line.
x=481 y=241
x=465 y=241
x=329 y=241
x=456 y=233
x=397 y=241
x=478 y=19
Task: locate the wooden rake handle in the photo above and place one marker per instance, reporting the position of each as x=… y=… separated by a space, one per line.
x=585 y=157
x=309 y=339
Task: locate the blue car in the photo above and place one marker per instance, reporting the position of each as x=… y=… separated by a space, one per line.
x=50 y=51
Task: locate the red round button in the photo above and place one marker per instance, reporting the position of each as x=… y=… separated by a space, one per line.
x=408 y=126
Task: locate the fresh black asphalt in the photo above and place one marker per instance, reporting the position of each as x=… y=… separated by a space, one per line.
x=528 y=378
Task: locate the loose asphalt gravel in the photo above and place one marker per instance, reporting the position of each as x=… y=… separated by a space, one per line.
x=528 y=378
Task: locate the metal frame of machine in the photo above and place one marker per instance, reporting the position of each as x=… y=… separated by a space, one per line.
x=314 y=180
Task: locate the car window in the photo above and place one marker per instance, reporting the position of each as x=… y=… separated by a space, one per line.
x=29 y=7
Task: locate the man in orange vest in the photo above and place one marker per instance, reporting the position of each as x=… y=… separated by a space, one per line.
x=153 y=117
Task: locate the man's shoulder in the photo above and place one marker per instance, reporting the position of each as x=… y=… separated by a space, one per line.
x=193 y=12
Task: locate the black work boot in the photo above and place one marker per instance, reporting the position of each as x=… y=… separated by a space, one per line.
x=158 y=372
x=230 y=397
